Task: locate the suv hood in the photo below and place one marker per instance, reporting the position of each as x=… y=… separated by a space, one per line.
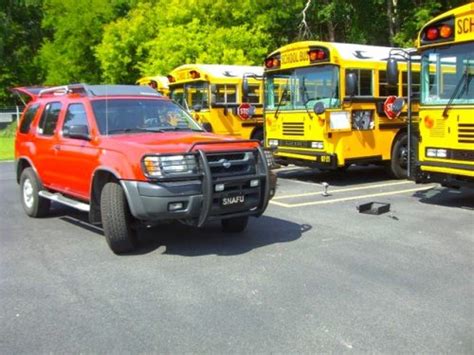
x=177 y=142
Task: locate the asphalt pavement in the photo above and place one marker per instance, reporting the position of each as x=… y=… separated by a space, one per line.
x=312 y=275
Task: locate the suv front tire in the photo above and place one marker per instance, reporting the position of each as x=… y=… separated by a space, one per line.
x=117 y=219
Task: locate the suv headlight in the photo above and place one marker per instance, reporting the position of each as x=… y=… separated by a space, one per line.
x=169 y=165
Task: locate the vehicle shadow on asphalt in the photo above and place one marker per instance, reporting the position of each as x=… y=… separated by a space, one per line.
x=180 y=239
x=441 y=196
x=351 y=176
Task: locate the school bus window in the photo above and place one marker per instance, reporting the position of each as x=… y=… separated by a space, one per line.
x=384 y=88
x=364 y=82
x=415 y=83
x=225 y=94
x=253 y=95
x=301 y=88
x=443 y=69
x=197 y=94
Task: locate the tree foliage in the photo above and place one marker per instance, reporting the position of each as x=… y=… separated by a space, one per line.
x=61 y=41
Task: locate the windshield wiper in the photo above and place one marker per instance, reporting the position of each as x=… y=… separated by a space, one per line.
x=283 y=96
x=169 y=129
x=134 y=130
x=463 y=79
x=305 y=94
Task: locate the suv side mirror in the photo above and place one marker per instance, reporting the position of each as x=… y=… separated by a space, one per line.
x=78 y=132
x=392 y=72
x=351 y=84
x=197 y=108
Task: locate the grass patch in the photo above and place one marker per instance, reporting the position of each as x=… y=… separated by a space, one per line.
x=7 y=142
x=7 y=145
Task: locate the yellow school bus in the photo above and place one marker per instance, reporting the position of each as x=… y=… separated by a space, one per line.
x=444 y=148
x=157 y=82
x=215 y=96
x=324 y=106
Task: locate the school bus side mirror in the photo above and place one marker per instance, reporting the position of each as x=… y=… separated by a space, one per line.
x=392 y=72
x=319 y=108
x=351 y=84
x=197 y=108
x=213 y=93
x=245 y=90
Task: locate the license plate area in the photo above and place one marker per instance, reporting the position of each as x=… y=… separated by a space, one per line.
x=232 y=200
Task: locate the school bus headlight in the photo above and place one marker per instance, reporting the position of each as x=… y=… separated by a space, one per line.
x=273 y=143
x=436 y=153
x=317 y=145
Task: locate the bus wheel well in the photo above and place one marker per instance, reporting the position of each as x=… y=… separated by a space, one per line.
x=101 y=177
x=257 y=133
x=21 y=165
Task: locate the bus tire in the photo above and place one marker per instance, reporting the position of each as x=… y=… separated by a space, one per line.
x=116 y=219
x=207 y=127
x=258 y=135
x=399 y=159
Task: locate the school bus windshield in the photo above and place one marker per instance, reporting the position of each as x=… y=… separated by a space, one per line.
x=447 y=74
x=191 y=94
x=299 y=88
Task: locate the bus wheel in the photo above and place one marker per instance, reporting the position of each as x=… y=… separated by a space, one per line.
x=258 y=135
x=207 y=127
x=399 y=162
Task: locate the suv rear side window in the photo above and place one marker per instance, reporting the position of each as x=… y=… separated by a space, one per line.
x=75 y=116
x=28 y=118
x=49 y=119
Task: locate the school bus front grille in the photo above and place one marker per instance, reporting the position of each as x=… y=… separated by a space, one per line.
x=438 y=130
x=293 y=128
x=466 y=133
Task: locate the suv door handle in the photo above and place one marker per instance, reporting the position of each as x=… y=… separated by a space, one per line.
x=57 y=147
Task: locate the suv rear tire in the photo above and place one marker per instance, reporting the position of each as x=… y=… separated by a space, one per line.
x=33 y=204
x=116 y=219
x=234 y=225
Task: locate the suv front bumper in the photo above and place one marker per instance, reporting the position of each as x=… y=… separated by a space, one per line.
x=154 y=201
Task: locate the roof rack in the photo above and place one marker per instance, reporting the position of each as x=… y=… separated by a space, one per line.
x=64 y=89
x=100 y=90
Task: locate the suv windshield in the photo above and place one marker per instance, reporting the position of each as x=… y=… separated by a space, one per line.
x=446 y=74
x=294 y=89
x=191 y=94
x=116 y=116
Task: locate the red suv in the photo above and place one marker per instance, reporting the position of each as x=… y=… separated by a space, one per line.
x=126 y=154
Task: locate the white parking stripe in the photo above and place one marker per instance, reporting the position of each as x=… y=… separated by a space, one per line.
x=287 y=205
x=344 y=190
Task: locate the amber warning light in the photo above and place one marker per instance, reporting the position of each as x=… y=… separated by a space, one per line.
x=272 y=63
x=438 y=32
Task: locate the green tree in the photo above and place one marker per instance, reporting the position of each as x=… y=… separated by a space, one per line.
x=20 y=38
x=74 y=28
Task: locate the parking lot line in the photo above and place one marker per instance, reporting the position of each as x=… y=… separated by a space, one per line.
x=345 y=190
x=287 y=205
x=301 y=182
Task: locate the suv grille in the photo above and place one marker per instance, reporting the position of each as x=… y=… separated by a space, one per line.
x=466 y=133
x=293 y=128
x=231 y=164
